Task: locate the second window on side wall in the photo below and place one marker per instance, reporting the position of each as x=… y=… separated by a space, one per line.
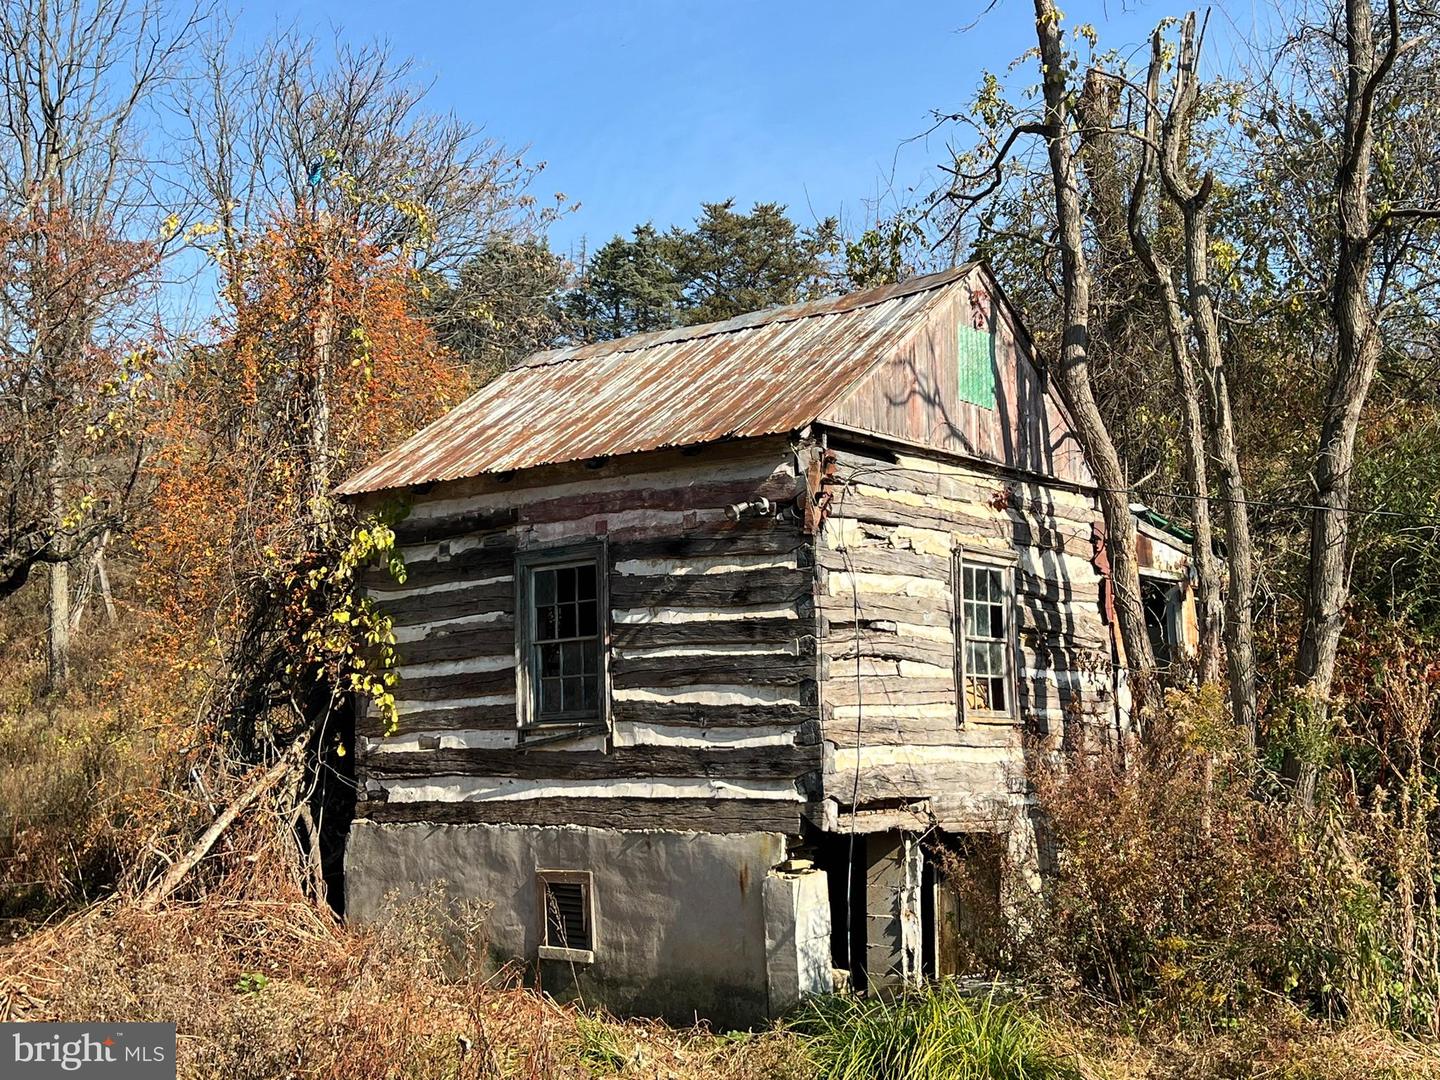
x=564 y=640
x=983 y=600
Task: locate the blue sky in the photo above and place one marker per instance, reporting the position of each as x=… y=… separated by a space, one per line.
x=644 y=108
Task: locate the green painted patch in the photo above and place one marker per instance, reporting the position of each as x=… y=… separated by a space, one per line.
x=976 y=366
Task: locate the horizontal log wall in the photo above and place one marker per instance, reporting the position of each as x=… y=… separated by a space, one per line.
x=892 y=731
x=714 y=714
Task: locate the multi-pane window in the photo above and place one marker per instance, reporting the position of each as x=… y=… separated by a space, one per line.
x=564 y=640
x=984 y=638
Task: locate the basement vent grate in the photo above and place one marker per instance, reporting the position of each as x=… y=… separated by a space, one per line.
x=567 y=915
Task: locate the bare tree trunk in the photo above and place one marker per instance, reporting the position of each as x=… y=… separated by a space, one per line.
x=57 y=638
x=1192 y=444
x=312 y=859
x=1187 y=387
x=57 y=643
x=1358 y=347
x=103 y=576
x=1240 y=581
x=95 y=576
x=81 y=599
x=1220 y=430
x=1074 y=365
x=317 y=417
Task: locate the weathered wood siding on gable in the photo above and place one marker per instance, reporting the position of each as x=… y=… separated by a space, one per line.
x=893 y=732
x=711 y=650
x=915 y=394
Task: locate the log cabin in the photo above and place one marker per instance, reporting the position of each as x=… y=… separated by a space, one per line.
x=716 y=643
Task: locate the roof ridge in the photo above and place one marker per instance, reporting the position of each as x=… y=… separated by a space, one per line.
x=787 y=313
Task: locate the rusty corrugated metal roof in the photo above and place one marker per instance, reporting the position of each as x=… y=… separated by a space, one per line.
x=760 y=374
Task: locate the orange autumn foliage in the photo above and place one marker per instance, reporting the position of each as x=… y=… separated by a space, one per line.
x=319 y=334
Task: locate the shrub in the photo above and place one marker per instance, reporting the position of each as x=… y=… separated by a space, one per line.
x=75 y=783
x=1180 y=888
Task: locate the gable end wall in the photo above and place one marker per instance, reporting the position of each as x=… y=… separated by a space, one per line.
x=915 y=394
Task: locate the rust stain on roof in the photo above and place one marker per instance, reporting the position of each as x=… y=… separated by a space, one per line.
x=760 y=374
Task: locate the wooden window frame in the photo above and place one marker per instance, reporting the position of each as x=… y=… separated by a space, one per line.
x=586 y=880
x=960 y=559
x=527 y=683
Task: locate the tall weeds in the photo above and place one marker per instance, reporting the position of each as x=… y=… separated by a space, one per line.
x=937 y=1033
x=1184 y=885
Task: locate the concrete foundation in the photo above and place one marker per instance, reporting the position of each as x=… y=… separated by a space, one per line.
x=797 y=937
x=685 y=924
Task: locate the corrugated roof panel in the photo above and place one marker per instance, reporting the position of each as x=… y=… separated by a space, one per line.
x=760 y=374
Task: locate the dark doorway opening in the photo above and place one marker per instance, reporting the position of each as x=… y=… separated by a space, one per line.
x=842 y=857
x=1161 y=601
x=960 y=903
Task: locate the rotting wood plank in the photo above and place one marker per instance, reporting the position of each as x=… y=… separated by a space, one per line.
x=936 y=731
x=485 y=561
x=459 y=643
x=1056 y=589
x=878 y=607
x=772 y=586
x=430 y=530
x=1042 y=693
x=889 y=690
x=646 y=711
x=750 y=536
x=622 y=763
x=725 y=669
x=777 y=488
x=717 y=631
x=751 y=458
x=468 y=684
x=873 y=559
x=922 y=779
x=673 y=815
x=884 y=645
x=467 y=718
x=1061 y=626
x=490 y=598
x=1063 y=657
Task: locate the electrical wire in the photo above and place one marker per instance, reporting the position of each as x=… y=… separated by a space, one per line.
x=857 y=615
x=1277 y=504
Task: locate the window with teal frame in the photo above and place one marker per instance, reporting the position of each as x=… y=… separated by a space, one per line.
x=976 y=365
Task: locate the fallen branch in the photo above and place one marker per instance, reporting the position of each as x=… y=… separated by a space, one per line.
x=158 y=892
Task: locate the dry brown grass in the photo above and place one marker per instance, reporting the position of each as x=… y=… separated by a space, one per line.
x=1284 y=1046
x=280 y=989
